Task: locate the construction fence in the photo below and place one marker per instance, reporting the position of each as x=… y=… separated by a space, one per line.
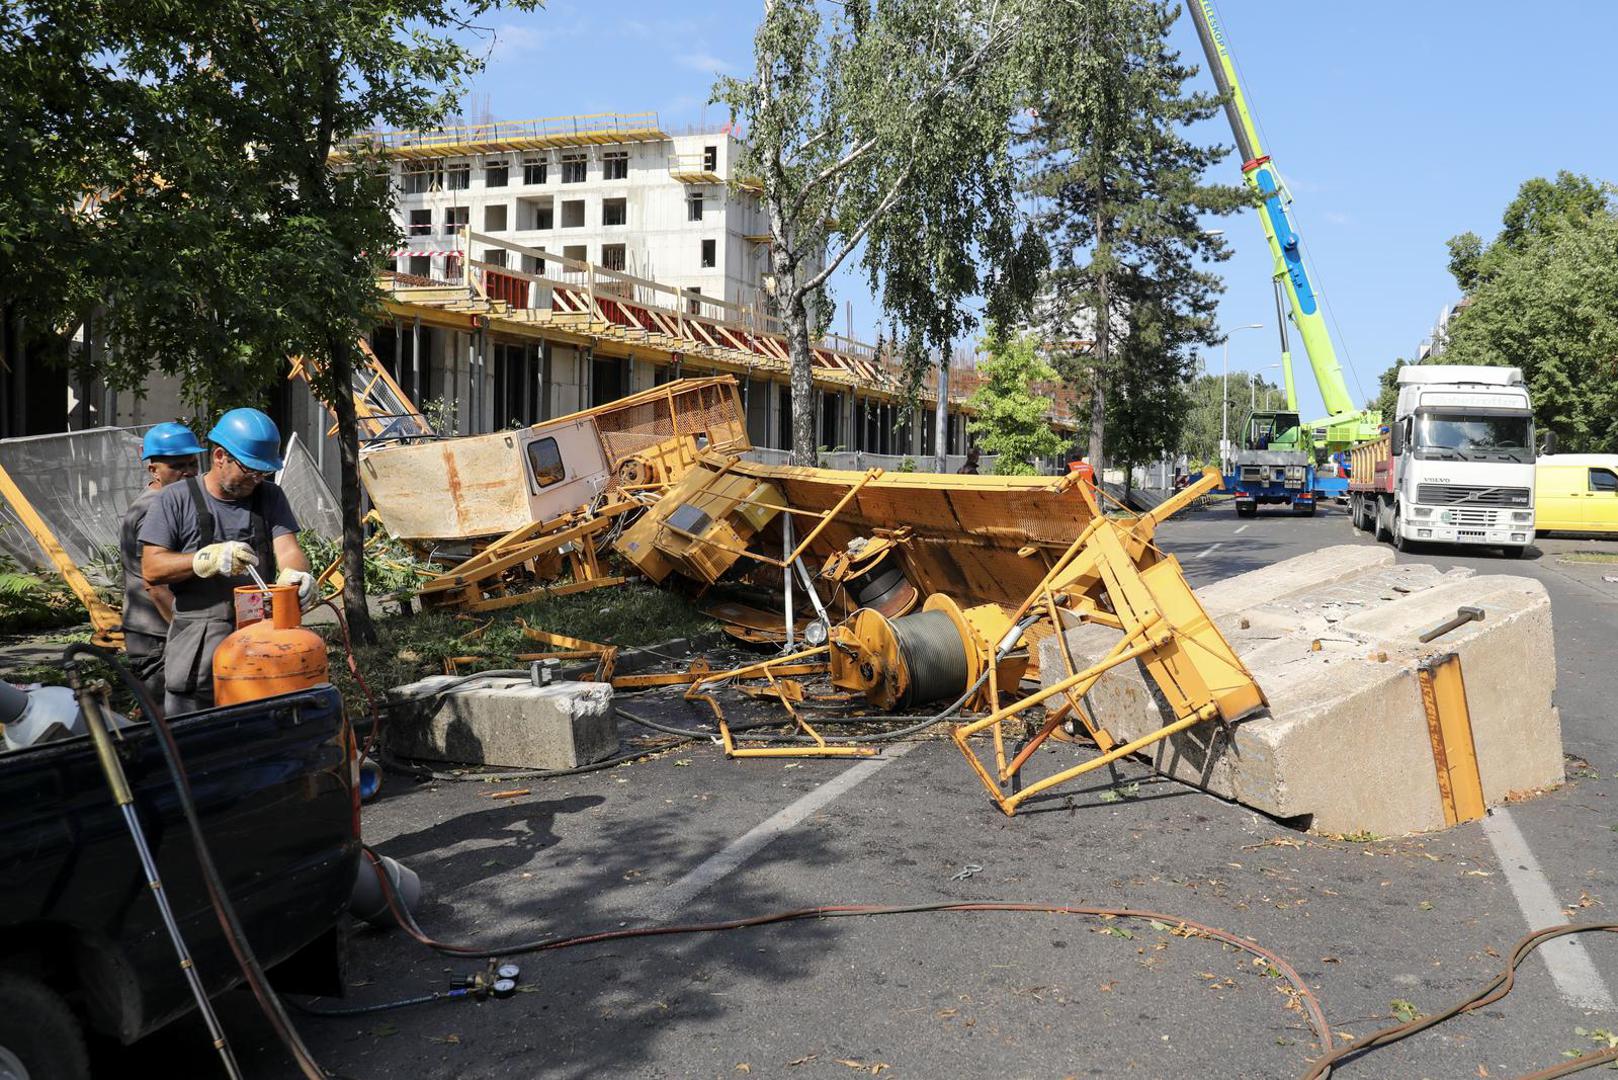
x=82 y=483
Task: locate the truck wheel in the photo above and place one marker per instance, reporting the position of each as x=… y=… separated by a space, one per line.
x=1246 y=511
x=40 y=1038
x=1399 y=541
x=1304 y=509
x=1514 y=551
x=1379 y=522
x=1354 y=508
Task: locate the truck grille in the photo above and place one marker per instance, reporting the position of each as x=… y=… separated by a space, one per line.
x=1477 y=519
x=1450 y=494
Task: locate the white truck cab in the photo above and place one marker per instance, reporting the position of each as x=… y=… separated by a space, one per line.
x=1462 y=442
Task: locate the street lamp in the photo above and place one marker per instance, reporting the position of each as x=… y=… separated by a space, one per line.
x=1252 y=390
x=1224 y=407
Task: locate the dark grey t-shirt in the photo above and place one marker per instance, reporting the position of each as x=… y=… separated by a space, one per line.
x=140 y=614
x=171 y=523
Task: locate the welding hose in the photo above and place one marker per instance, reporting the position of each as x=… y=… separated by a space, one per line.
x=381 y=1006
x=1312 y=1010
x=1497 y=988
x=252 y=972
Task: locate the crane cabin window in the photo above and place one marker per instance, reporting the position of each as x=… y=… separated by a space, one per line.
x=545 y=463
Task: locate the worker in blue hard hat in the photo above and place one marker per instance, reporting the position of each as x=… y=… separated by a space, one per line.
x=200 y=537
x=169 y=453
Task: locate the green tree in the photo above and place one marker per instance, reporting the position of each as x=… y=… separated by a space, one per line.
x=1543 y=296
x=230 y=238
x=1121 y=194
x=1010 y=419
x=885 y=129
x=1207 y=407
x=1386 y=401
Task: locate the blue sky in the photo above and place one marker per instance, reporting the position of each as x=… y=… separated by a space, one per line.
x=1396 y=125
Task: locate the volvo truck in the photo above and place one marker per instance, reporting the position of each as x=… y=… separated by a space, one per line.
x=1456 y=465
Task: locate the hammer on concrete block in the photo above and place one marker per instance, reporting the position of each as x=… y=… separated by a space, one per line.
x=1463 y=615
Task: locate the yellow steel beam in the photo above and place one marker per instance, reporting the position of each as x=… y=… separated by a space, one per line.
x=1449 y=727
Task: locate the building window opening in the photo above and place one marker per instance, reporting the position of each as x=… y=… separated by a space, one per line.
x=421 y=222
x=693 y=208
x=614 y=211
x=457 y=176
x=573 y=214
x=574 y=167
x=456 y=218
x=613 y=256
x=534 y=169
x=615 y=165
x=497 y=256
x=710 y=159
x=495 y=218
x=710 y=253
x=497 y=173
x=420 y=179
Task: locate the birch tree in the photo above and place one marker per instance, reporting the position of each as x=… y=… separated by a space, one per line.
x=883 y=132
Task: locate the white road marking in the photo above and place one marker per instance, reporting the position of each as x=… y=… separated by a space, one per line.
x=745 y=846
x=1205 y=552
x=1240 y=529
x=1570 y=966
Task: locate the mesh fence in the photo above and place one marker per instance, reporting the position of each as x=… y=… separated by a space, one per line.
x=82 y=482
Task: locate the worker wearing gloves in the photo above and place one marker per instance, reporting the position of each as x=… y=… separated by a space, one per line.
x=170 y=454
x=200 y=537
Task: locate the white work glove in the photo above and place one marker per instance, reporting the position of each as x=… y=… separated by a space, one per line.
x=307 y=591
x=229 y=558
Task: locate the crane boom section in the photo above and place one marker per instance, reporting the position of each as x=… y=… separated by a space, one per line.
x=1285 y=247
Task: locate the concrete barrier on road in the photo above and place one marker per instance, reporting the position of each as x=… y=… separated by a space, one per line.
x=1344 y=746
x=506 y=722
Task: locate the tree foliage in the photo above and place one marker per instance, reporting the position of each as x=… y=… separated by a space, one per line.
x=1543 y=296
x=1199 y=438
x=884 y=129
x=221 y=240
x=1010 y=419
x=1121 y=192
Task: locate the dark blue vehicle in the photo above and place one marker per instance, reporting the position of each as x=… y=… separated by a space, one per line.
x=81 y=941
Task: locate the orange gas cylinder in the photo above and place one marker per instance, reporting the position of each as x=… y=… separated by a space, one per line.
x=268 y=656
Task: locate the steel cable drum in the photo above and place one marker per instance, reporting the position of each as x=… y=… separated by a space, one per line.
x=934 y=656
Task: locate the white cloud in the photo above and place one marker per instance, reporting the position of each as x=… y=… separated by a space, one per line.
x=513 y=40
x=708 y=65
x=1337 y=217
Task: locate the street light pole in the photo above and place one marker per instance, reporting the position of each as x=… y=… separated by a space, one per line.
x=1224 y=396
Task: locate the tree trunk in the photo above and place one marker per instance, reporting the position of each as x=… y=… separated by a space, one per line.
x=804 y=445
x=341 y=376
x=941 y=415
x=1098 y=393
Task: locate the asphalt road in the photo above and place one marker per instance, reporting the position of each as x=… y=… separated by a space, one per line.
x=1419 y=920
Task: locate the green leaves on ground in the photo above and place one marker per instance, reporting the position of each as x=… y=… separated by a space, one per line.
x=1403 y=1010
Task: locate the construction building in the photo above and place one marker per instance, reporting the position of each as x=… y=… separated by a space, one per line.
x=552 y=265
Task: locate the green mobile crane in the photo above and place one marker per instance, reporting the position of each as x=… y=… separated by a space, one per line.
x=1297 y=298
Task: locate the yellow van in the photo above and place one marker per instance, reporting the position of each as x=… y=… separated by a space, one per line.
x=1576 y=493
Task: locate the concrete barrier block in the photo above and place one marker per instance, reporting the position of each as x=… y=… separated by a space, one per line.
x=506 y=722
x=1344 y=745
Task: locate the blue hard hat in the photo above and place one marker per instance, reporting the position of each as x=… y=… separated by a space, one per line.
x=250 y=437
x=169 y=440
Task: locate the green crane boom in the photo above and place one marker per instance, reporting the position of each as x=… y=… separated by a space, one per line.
x=1345 y=425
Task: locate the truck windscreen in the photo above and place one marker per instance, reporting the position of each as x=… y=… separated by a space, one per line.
x=1472 y=435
